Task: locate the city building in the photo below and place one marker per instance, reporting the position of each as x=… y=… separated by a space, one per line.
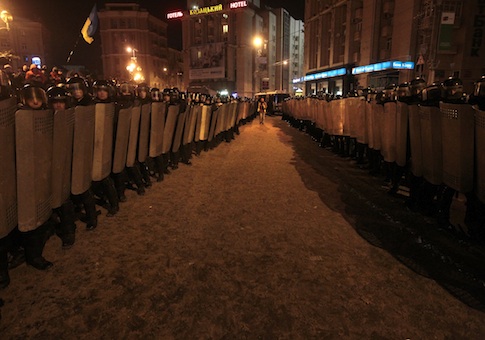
x=174 y=72
x=134 y=44
x=24 y=42
x=355 y=43
x=239 y=47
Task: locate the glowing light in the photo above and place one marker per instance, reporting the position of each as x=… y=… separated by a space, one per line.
x=164 y=69
x=258 y=41
x=285 y=62
x=224 y=93
x=131 y=67
x=138 y=77
x=129 y=49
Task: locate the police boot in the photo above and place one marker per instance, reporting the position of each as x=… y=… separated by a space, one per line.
x=159 y=168
x=146 y=175
x=90 y=209
x=444 y=206
x=166 y=162
x=112 y=196
x=184 y=149
x=198 y=148
x=135 y=176
x=66 y=229
x=4 y=277
x=119 y=182
x=175 y=160
x=34 y=242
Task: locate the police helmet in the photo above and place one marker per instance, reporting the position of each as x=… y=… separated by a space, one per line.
x=34 y=93
x=452 y=88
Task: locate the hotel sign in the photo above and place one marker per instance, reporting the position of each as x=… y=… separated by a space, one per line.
x=206 y=10
x=238 y=4
x=175 y=15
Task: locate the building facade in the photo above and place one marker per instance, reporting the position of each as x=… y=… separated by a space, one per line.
x=239 y=47
x=134 y=44
x=24 y=42
x=355 y=43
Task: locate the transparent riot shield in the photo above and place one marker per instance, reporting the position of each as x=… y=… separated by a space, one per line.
x=144 y=140
x=430 y=120
x=121 y=140
x=157 y=126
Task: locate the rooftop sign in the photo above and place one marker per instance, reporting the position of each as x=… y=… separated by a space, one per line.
x=175 y=15
x=206 y=10
x=238 y=4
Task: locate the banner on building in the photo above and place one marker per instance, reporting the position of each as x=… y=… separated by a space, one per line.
x=207 y=62
x=446 y=31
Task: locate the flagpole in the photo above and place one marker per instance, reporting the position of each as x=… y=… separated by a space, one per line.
x=72 y=51
x=77 y=42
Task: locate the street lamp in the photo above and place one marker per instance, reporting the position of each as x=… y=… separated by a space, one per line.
x=132 y=50
x=6 y=18
x=258 y=42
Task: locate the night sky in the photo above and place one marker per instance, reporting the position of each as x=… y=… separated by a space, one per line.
x=64 y=19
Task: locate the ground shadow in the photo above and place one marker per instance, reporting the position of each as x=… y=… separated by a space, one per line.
x=384 y=221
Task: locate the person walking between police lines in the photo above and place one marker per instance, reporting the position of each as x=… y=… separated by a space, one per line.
x=262 y=107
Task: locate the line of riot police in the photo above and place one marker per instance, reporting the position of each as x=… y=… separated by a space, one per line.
x=430 y=137
x=70 y=148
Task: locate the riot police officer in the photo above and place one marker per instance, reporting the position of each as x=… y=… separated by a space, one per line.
x=143 y=99
x=105 y=189
x=78 y=89
x=33 y=236
x=58 y=100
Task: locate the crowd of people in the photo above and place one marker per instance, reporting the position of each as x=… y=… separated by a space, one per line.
x=144 y=133
x=428 y=137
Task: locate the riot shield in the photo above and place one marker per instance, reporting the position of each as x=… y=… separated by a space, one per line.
x=205 y=122
x=377 y=125
x=103 y=140
x=346 y=123
x=62 y=156
x=83 y=147
x=8 y=183
x=157 y=127
x=401 y=133
x=352 y=115
x=338 y=116
x=232 y=121
x=221 y=118
x=121 y=140
x=430 y=120
x=192 y=124
x=33 y=141
x=189 y=119
x=144 y=141
x=212 y=130
x=480 y=153
x=360 y=121
x=388 y=132
x=179 y=130
x=133 y=137
x=172 y=116
x=369 y=124
x=415 y=141
x=195 y=128
x=457 y=124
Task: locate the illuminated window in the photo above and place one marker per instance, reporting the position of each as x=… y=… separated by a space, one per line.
x=225 y=28
x=199 y=54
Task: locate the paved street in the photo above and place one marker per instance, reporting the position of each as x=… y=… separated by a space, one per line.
x=267 y=237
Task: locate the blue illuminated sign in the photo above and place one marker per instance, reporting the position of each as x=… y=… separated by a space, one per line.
x=387 y=65
x=322 y=75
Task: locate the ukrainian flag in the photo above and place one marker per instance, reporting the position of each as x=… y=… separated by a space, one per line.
x=90 y=26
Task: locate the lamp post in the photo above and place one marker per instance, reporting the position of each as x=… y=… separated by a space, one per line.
x=133 y=68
